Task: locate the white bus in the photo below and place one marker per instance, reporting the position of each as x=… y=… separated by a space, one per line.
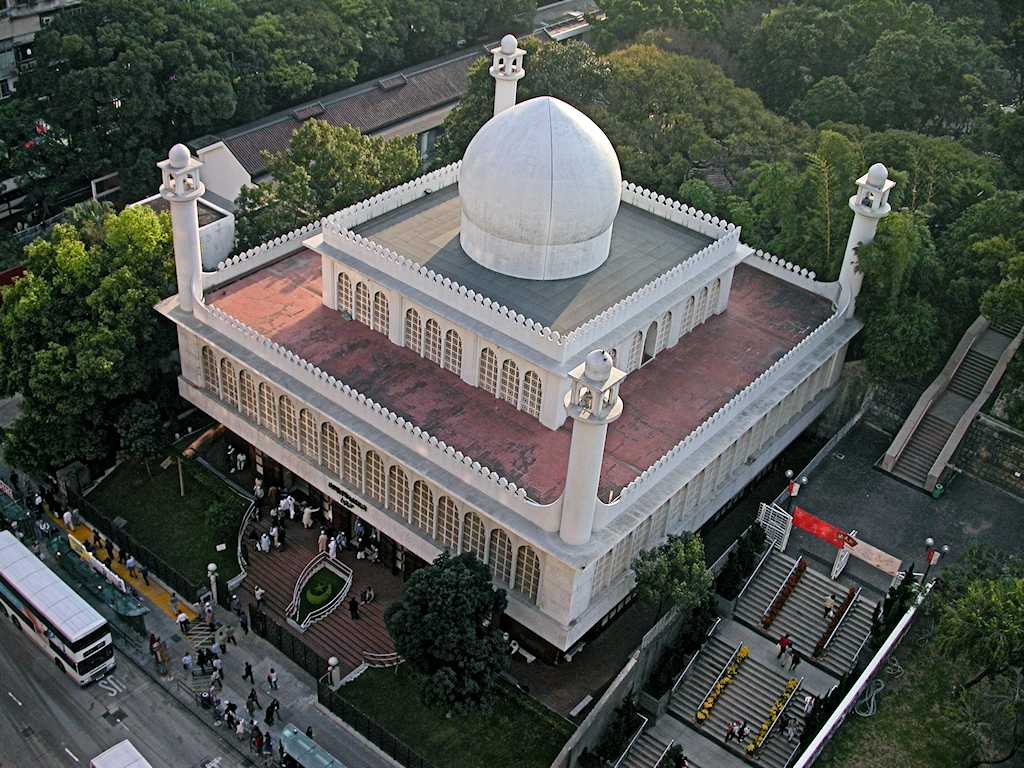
x=121 y=755
x=52 y=614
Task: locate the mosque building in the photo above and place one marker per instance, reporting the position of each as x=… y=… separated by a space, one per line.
x=520 y=355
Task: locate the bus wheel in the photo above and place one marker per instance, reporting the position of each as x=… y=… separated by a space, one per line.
x=60 y=665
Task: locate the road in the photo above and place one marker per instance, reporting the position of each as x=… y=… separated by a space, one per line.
x=47 y=720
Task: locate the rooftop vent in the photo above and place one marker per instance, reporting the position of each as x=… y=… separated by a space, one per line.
x=304 y=113
x=390 y=83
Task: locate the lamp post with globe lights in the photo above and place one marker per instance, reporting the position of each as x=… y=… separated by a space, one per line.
x=793 y=487
x=933 y=555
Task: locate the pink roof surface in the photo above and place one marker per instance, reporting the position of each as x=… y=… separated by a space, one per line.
x=663 y=401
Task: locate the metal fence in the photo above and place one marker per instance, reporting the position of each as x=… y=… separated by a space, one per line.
x=290 y=645
x=127 y=543
x=371 y=729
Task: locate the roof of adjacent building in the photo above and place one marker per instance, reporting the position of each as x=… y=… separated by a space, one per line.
x=663 y=401
x=643 y=246
x=370 y=107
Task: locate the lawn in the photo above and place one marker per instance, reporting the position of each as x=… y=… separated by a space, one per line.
x=322 y=586
x=174 y=528
x=518 y=732
x=909 y=729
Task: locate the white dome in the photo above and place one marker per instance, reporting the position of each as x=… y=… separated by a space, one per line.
x=509 y=44
x=877 y=175
x=598 y=365
x=540 y=186
x=179 y=156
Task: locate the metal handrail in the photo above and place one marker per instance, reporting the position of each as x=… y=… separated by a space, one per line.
x=246 y=518
x=767 y=551
x=718 y=620
x=782 y=586
x=632 y=741
x=849 y=607
x=663 y=753
x=853 y=661
x=319 y=613
x=381 y=659
x=299 y=582
x=720 y=675
x=781 y=711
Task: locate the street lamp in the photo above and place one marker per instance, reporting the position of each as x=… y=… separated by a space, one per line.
x=932 y=555
x=793 y=487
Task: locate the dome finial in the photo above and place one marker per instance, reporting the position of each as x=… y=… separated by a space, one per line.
x=509 y=44
x=878 y=174
x=179 y=156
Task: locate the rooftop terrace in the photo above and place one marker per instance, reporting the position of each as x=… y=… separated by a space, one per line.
x=664 y=401
x=643 y=247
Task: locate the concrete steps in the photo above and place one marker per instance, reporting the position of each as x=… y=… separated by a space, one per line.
x=802 y=615
x=1009 y=328
x=971 y=374
x=922 y=450
x=646 y=752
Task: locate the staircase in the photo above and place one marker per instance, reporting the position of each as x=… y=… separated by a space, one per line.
x=802 y=616
x=940 y=418
x=750 y=695
x=646 y=752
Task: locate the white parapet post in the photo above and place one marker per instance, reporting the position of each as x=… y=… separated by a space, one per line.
x=870 y=205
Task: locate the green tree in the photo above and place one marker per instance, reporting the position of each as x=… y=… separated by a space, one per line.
x=674 y=574
x=79 y=338
x=139 y=429
x=446 y=626
x=324 y=169
x=628 y=18
x=829 y=100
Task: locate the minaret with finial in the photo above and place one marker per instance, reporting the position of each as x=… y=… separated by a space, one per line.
x=593 y=403
x=182 y=188
x=870 y=205
x=507 y=70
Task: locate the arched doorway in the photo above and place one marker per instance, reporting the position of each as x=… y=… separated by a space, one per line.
x=650 y=343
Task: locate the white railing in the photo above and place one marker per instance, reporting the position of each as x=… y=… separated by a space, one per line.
x=693 y=659
x=632 y=741
x=664 y=752
x=835 y=630
x=382 y=659
x=760 y=742
x=319 y=559
x=246 y=518
x=300 y=582
x=767 y=551
x=719 y=676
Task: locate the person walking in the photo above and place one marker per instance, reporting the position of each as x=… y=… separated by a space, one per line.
x=830 y=606
x=229 y=635
x=69 y=520
x=131 y=564
x=731 y=731
x=743 y=732
x=809 y=703
x=236 y=605
x=175 y=604
x=794 y=659
x=243 y=622
x=256 y=742
x=784 y=644
x=264 y=542
x=321 y=541
x=254 y=698
x=259 y=593
x=250 y=707
x=353 y=609
x=144 y=573
x=109 y=546
x=186 y=663
x=182 y=620
x=271 y=712
x=272 y=679
x=216 y=648
x=332 y=549
x=240 y=730
x=208 y=612
x=309 y=731
x=247 y=674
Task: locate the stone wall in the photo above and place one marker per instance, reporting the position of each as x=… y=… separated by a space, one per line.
x=993 y=451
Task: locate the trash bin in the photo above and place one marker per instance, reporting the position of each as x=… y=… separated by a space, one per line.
x=937 y=491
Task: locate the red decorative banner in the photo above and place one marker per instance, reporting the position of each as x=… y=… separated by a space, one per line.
x=819 y=529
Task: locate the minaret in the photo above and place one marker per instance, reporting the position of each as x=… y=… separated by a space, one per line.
x=593 y=402
x=182 y=189
x=507 y=70
x=870 y=205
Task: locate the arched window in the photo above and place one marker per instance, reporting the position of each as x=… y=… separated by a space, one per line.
x=381 y=318
x=413 y=331
x=362 y=303
x=422 y=507
x=248 y=395
x=351 y=462
x=650 y=342
x=532 y=393
x=447 y=523
x=473 y=536
x=289 y=426
x=268 y=408
x=500 y=558
x=330 y=452
x=453 y=352
x=664 y=325
x=488 y=371
x=510 y=383
x=716 y=292
x=307 y=435
x=635 y=348
x=344 y=293
x=688 y=321
x=398 y=492
x=229 y=385
x=210 y=379
x=432 y=348
x=527 y=573
x=376 y=485
x=702 y=305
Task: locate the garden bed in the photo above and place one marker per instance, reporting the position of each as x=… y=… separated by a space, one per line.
x=322 y=587
x=174 y=528
x=518 y=732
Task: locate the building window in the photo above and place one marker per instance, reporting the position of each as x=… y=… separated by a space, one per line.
x=248 y=395
x=413 y=331
x=527 y=573
x=362 y=303
x=473 y=536
x=329 y=449
x=532 y=394
x=432 y=349
x=307 y=435
x=210 y=378
x=344 y=293
x=488 y=371
x=229 y=385
x=398 y=492
x=289 y=427
x=716 y=292
x=650 y=342
x=603 y=574
x=381 y=317
x=423 y=507
x=635 y=348
x=663 y=328
x=510 y=383
x=702 y=306
x=688 y=317
x=268 y=410
x=447 y=523
x=375 y=478
x=453 y=352
x=351 y=462
x=500 y=558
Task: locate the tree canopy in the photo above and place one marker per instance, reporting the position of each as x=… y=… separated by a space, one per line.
x=674 y=574
x=446 y=626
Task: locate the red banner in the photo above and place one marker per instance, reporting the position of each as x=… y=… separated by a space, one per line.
x=819 y=529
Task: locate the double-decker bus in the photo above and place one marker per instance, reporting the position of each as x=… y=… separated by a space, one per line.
x=52 y=614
